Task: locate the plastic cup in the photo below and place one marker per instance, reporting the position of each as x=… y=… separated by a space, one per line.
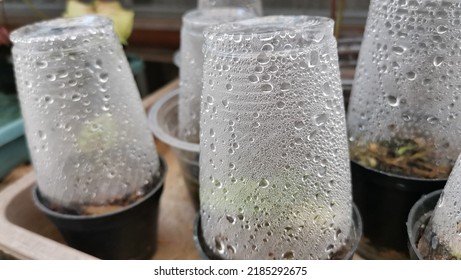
x=274 y=165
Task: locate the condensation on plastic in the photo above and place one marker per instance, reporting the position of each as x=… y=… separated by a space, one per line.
x=254 y=6
x=407 y=80
x=191 y=70
x=85 y=124
x=274 y=166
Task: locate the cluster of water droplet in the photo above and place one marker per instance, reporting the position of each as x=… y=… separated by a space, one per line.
x=443 y=233
x=274 y=169
x=191 y=70
x=407 y=81
x=86 y=129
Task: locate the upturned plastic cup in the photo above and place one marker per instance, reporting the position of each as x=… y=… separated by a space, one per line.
x=163 y=122
x=403 y=112
x=85 y=124
x=274 y=165
x=89 y=140
x=418 y=218
x=191 y=69
x=254 y=6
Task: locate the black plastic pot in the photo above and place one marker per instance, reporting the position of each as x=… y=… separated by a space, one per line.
x=384 y=200
x=419 y=216
x=129 y=233
x=206 y=253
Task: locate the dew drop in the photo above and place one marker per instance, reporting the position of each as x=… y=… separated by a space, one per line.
x=76 y=97
x=263 y=58
x=267 y=88
x=299 y=124
x=411 y=75
x=438 y=60
x=253 y=78
x=399 y=50
x=393 y=101
x=288 y=255
x=263 y=183
x=321 y=119
x=285 y=86
x=230 y=219
x=280 y=105
x=441 y=29
x=103 y=77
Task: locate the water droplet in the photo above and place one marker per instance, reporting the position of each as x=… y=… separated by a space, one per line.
x=411 y=75
x=285 y=86
x=432 y=119
x=256 y=125
x=393 y=101
x=267 y=88
x=219 y=245
x=212 y=133
x=263 y=183
x=399 y=50
x=321 y=119
x=76 y=97
x=98 y=63
x=218 y=184
x=41 y=64
x=41 y=135
x=230 y=219
x=441 y=29
x=103 y=77
x=299 y=124
x=314 y=59
x=288 y=255
x=326 y=89
x=209 y=99
x=212 y=147
x=253 y=78
x=263 y=58
x=280 y=105
x=438 y=60
x=48 y=99
x=51 y=77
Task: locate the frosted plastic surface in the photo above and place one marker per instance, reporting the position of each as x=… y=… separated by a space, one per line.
x=407 y=80
x=85 y=124
x=446 y=218
x=274 y=166
x=255 y=6
x=191 y=70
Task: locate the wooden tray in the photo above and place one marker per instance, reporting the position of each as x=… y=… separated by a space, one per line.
x=26 y=233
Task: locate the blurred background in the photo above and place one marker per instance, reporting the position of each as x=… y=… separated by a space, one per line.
x=155 y=35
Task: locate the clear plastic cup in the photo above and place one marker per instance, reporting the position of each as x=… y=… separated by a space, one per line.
x=254 y=6
x=403 y=115
x=191 y=70
x=274 y=166
x=442 y=235
x=85 y=124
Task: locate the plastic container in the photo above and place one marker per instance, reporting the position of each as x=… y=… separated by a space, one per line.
x=274 y=165
x=163 y=121
x=129 y=233
x=87 y=131
x=402 y=117
x=385 y=200
x=418 y=217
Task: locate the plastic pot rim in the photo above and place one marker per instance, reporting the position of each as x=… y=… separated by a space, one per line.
x=165 y=136
x=414 y=224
